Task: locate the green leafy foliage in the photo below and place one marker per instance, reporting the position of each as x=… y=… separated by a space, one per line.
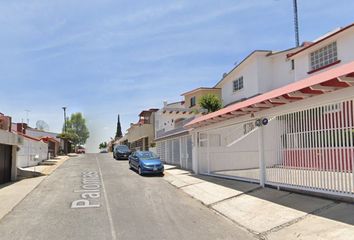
x=72 y=137
x=103 y=145
x=76 y=126
x=210 y=102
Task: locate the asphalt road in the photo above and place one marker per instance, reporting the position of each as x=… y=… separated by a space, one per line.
x=123 y=205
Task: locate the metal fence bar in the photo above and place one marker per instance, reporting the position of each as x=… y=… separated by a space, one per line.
x=351 y=115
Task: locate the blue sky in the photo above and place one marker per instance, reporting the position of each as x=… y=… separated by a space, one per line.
x=104 y=57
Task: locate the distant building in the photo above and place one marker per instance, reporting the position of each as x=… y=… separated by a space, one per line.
x=174 y=141
x=140 y=135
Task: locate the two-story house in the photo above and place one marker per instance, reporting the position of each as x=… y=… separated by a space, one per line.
x=288 y=119
x=174 y=143
x=140 y=135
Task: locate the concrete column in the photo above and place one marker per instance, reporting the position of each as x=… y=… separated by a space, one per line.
x=208 y=152
x=195 y=148
x=262 y=168
x=180 y=151
x=14 y=163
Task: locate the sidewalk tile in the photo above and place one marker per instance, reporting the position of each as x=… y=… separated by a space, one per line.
x=209 y=193
x=334 y=223
x=265 y=209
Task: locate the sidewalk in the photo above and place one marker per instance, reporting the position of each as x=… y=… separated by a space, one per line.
x=266 y=212
x=12 y=193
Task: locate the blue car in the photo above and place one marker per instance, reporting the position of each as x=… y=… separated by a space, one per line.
x=145 y=162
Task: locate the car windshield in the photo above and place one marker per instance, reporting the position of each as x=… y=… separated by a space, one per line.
x=122 y=148
x=147 y=155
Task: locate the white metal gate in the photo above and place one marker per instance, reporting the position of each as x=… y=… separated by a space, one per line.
x=230 y=151
x=311 y=149
x=186 y=152
x=315 y=149
x=176 y=151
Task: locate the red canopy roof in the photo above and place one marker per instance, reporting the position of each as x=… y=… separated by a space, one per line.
x=321 y=83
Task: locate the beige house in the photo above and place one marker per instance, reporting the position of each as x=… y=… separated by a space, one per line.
x=191 y=98
x=140 y=135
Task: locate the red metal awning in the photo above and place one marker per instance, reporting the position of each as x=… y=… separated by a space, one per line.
x=321 y=83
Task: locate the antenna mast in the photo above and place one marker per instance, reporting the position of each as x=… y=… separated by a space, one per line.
x=296 y=23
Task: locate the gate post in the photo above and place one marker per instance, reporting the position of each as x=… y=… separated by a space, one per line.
x=180 y=152
x=195 y=150
x=262 y=166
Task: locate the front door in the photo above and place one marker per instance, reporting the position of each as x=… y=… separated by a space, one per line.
x=5 y=163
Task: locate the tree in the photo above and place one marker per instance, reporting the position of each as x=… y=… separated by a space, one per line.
x=210 y=102
x=119 y=130
x=73 y=137
x=103 y=145
x=77 y=125
x=42 y=125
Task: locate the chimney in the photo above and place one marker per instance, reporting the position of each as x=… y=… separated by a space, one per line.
x=21 y=127
x=5 y=122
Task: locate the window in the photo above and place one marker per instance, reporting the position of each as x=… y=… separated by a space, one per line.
x=192 y=101
x=238 y=84
x=292 y=64
x=323 y=56
x=331 y=108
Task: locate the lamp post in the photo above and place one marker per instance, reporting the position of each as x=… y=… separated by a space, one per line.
x=64 y=108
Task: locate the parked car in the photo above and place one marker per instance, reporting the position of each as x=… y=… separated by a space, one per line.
x=104 y=150
x=121 y=152
x=80 y=150
x=146 y=162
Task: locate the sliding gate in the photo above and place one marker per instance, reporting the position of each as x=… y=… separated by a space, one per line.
x=311 y=149
x=176 y=151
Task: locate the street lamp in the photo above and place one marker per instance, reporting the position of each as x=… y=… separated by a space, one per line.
x=64 y=108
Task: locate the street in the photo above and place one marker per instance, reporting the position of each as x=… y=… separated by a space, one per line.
x=94 y=196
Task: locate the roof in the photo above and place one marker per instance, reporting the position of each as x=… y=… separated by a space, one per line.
x=151 y=110
x=321 y=83
x=200 y=89
x=26 y=136
x=321 y=40
x=49 y=139
x=245 y=59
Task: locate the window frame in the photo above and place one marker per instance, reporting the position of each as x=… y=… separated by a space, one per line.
x=192 y=101
x=239 y=86
x=323 y=57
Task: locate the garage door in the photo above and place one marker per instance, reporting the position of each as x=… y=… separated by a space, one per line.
x=5 y=163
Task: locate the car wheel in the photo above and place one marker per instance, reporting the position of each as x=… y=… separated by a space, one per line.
x=139 y=171
x=130 y=165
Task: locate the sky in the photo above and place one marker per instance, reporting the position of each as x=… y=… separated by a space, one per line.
x=109 y=57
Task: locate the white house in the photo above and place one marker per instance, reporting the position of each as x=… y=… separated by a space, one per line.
x=173 y=140
x=31 y=152
x=288 y=120
x=9 y=143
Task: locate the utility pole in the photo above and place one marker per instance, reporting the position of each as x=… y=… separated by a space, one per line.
x=296 y=24
x=64 y=108
x=27 y=118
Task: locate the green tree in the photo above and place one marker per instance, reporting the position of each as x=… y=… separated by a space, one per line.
x=210 y=102
x=119 y=130
x=73 y=137
x=103 y=145
x=77 y=125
